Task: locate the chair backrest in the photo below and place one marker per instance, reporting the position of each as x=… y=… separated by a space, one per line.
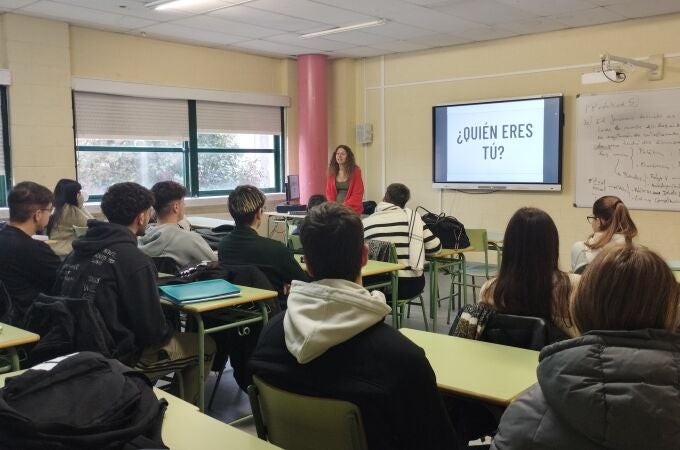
x=517 y=331
x=166 y=264
x=479 y=240
x=294 y=243
x=79 y=231
x=295 y=421
x=381 y=250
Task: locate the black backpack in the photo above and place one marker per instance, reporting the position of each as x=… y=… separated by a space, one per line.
x=85 y=401
x=449 y=230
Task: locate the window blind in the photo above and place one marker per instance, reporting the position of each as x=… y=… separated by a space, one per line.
x=213 y=117
x=2 y=150
x=100 y=116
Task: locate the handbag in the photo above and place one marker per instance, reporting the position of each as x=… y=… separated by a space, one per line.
x=449 y=230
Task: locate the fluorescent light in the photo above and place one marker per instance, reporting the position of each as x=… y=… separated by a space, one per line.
x=358 y=26
x=160 y=5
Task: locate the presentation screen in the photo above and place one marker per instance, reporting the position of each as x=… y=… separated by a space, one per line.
x=513 y=144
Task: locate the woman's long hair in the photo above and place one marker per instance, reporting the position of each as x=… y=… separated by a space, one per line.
x=65 y=193
x=350 y=164
x=614 y=219
x=529 y=281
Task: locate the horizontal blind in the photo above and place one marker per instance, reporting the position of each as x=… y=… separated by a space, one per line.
x=100 y=116
x=213 y=117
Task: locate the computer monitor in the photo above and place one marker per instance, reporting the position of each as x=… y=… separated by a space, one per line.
x=293 y=189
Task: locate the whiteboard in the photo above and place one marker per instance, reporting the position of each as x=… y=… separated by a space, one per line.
x=628 y=145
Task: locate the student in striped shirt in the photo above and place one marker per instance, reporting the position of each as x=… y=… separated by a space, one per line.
x=394 y=222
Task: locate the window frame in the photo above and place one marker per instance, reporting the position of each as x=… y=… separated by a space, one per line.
x=191 y=151
x=4 y=112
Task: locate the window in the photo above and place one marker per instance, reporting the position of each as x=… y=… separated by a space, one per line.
x=209 y=147
x=5 y=168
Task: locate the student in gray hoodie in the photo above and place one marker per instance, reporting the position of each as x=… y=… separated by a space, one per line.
x=332 y=342
x=167 y=238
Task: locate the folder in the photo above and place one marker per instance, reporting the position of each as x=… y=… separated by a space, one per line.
x=199 y=291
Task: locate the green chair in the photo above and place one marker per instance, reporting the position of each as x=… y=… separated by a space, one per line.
x=387 y=252
x=295 y=244
x=299 y=422
x=479 y=241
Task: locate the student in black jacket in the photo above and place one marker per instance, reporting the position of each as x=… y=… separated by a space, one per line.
x=107 y=267
x=245 y=246
x=332 y=342
x=27 y=266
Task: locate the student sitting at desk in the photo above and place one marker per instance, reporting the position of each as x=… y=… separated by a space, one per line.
x=245 y=246
x=332 y=342
x=615 y=387
x=393 y=222
x=529 y=281
x=166 y=238
x=611 y=224
x=68 y=212
x=107 y=267
x=27 y=266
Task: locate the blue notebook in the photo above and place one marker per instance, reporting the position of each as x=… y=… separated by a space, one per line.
x=199 y=291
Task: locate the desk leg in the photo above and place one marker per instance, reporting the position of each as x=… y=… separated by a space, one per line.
x=434 y=283
x=14 y=357
x=464 y=275
x=395 y=298
x=201 y=362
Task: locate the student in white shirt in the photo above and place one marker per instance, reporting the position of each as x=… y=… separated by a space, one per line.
x=611 y=224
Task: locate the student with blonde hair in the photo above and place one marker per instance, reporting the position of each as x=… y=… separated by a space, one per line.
x=611 y=223
x=615 y=387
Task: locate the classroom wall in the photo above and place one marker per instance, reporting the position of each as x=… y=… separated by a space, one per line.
x=396 y=94
x=43 y=55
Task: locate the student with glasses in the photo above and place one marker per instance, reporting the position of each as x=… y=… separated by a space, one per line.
x=28 y=267
x=611 y=223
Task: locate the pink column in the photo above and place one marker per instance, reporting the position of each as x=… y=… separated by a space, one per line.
x=313 y=123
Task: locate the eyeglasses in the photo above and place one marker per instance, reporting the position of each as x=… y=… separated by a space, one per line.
x=51 y=210
x=591 y=219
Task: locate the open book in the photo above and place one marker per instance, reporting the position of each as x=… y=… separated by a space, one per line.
x=199 y=291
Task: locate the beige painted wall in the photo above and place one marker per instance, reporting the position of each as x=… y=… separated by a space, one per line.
x=43 y=55
x=406 y=86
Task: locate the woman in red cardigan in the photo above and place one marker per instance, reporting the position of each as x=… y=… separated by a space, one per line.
x=344 y=184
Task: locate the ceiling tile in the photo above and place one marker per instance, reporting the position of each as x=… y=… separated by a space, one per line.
x=398 y=31
x=540 y=25
x=86 y=16
x=176 y=32
x=245 y=14
x=310 y=44
x=11 y=4
x=487 y=33
x=358 y=38
x=633 y=9
x=400 y=46
x=309 y=10
x=225 y=26
x=274 y=48
x=488 y=12
x=132 y=8
x=434 y=2
x=589 y=17
x=441 y=40
x=361 y=52
x=548 y=7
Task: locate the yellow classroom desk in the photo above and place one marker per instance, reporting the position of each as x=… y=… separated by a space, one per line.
x=235 y=317
x=13 y=337
x=492 y=373
x=207 y=222
x=446 y=258
x=185 y=428
x=377 y=268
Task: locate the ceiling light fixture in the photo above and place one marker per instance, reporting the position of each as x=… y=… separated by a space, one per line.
x=160 y=5
x=358 y=26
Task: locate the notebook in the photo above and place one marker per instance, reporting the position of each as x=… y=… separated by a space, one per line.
x=199 y=291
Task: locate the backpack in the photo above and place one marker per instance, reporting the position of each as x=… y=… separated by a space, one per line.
x=449 y=230
x=84 y=401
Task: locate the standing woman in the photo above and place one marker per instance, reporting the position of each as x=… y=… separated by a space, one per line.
x=611 y=223
x=344 y=184
x=68 y=211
